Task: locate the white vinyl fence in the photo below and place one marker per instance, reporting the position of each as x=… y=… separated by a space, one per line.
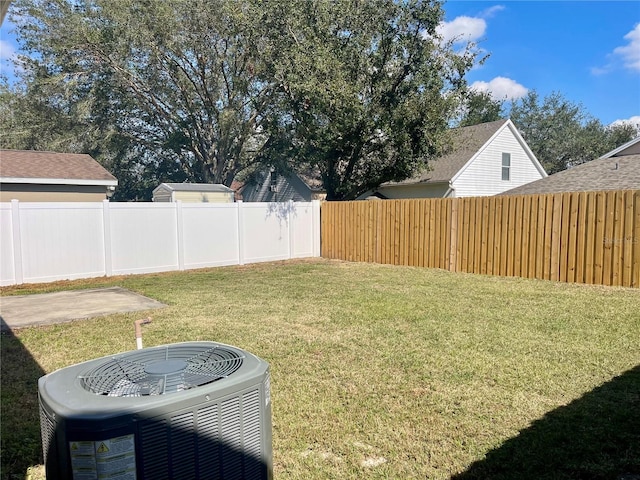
x=44 y=242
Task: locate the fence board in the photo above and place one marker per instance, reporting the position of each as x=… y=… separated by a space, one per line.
x=617 y=240
x=572 y=238
x=581 y=238
x=608 y=238
x=502 y=208
x=635 y=241
x=532 y=225
x=627 y=256
x=586 y=237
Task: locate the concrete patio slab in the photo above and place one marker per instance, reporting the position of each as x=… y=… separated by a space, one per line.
x=47 y=308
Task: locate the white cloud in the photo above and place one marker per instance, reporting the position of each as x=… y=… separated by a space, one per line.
x=491 y=11
x=501 y=88
x=631 y=53
x=635 y=121
x=466 y=29
x=601 y=70
x=462 y=29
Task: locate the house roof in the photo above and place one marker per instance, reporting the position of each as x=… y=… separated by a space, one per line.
x=31 y=166
x=194 y=187
x=630 y=148
x=614 y=173
x=312 y=179
x=466 y=142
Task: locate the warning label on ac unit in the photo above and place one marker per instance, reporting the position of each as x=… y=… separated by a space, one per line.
x=113 y=459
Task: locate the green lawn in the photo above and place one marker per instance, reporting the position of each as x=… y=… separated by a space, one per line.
x=382 y=371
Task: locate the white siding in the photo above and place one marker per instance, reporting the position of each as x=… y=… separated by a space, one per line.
x=287 y=188
x=161 y=195
x=483 y=176
x=204 y=197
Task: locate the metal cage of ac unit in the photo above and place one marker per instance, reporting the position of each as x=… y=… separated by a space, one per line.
x=149 y=426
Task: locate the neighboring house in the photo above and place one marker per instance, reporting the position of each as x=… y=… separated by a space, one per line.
x=193 y=193
x=33 y=176
x=617 y=170
x=485 y=159
x=271 y=186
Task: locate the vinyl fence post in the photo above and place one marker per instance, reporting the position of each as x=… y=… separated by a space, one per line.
x=17 y=241
x=290 y=216
x=180 y=234
x=239 y=206
x=106 y=229
x=315 y=226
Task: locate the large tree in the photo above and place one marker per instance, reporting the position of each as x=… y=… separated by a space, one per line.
x=480 y=107
x=182 y=80
x=370 y=89
x=200 y=90
x=562 y=134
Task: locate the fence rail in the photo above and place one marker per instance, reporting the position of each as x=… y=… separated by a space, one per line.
x=582 y=237
x=44 y=242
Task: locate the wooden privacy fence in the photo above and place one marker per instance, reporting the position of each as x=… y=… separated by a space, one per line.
x=583 y=237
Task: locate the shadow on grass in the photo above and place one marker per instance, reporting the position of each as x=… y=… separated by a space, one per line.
x=594 y=437
x=19 y=373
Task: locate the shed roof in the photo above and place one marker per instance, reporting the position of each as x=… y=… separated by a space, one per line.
x=31 y=166
x=614 y=173
x=194 y=187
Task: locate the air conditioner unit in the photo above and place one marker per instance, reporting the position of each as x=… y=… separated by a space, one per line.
x=195 y=410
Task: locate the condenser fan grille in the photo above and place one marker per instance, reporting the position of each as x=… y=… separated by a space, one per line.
x=161 y=370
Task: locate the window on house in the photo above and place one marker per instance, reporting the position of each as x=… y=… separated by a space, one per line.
x=506 y=166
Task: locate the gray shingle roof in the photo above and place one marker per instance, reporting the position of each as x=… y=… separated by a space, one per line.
x=465 y=143
x=632 y=147
x=615 y=173
x=31 y=164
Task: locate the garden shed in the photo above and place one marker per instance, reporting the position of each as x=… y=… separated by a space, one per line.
x=193 y=193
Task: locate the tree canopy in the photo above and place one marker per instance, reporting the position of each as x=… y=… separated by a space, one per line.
x=479 y=107
x=562 y=134
x=201 y=90
x=370 y=89
x=181 y=80
x=360 y=93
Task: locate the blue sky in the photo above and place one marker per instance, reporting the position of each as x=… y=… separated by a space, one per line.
x=589 y=51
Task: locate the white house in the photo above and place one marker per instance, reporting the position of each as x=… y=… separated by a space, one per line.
x=484 y=160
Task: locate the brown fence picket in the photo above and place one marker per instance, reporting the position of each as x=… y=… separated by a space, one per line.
x=585 y=237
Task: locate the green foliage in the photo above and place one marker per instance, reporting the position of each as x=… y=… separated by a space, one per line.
x=202 y=90
x=179 y=82
x=369 y=89
x=479 y=108
x=562 y=134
